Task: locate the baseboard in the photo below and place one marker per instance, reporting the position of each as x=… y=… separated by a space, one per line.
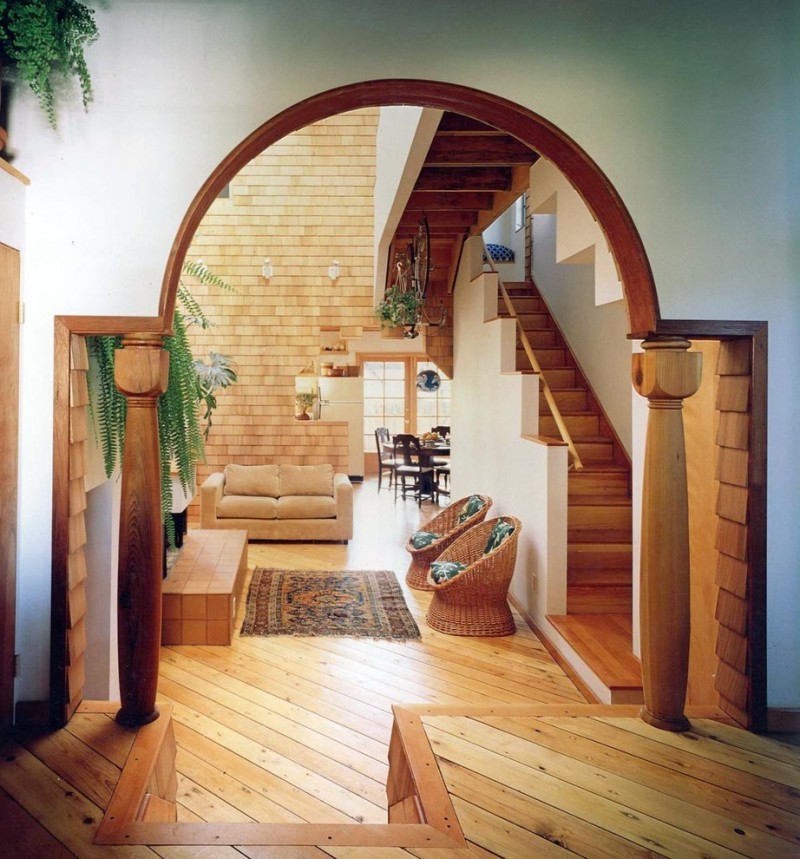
x=782 y=720
x=548 y=645
x=32 y=714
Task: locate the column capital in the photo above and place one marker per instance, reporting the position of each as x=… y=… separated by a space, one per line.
x=141 y=366
x=666 y=370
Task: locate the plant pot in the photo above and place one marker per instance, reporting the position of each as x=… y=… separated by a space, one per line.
x=302 y=417
x=395 y=333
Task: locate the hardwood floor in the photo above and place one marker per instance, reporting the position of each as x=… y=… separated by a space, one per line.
x=290 y=729
x=285 y=730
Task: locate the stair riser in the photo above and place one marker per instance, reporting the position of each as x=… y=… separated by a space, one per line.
x=548 y=358
x=599 y=600
x=595 y=452
x=597 y=484
x=579 y=426
x=567 y=401
x=599 y=516
x=607 y=556
x=560 y=378
x=599 y=578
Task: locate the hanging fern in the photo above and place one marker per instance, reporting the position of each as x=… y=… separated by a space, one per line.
x=108 y=406
x=190 y=383
x=179 y=435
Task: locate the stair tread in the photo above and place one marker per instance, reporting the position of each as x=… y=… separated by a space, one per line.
x=604 y=642
x=600 y=501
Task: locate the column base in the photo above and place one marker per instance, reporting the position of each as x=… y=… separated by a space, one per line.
x=678 y=724
x=136 y=720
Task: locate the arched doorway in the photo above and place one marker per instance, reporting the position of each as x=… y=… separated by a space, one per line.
x=533 y=130
x=601 y=198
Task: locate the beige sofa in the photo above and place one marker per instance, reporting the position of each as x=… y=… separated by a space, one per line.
x=279 y=502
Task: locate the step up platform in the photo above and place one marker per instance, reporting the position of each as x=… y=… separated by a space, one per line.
x=605 y=643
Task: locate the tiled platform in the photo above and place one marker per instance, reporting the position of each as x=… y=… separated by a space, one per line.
x=201 y=592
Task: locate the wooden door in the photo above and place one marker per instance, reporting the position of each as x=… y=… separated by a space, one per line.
x=9 y=436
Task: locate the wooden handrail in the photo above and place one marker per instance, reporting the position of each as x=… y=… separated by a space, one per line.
x=544 y=387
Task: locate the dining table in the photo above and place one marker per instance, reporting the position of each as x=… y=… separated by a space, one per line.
x=428 y=451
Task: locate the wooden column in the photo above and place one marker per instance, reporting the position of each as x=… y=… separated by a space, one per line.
x=665 y=373
x=141 y=374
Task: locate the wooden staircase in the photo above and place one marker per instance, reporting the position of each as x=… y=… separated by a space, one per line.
x=599 y=537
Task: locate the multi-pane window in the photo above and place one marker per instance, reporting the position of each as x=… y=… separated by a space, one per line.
x=384 y=398
x=433 y=407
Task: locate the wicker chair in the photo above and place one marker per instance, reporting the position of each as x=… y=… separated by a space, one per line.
x=475 y=602
x=445 y=523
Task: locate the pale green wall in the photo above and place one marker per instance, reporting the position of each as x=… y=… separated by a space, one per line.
x=689 y=108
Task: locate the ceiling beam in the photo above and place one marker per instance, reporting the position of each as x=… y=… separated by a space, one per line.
x=464 y=179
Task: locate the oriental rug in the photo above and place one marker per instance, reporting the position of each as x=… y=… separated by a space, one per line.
x=353 y=603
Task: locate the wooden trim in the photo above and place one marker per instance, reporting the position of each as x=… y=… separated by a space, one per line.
x=59 y=586
x=12 y=171
x=535 y=131
x=754 y=479
x=124 y=823
x=562 y=663
x=782 y=720
x=9 y=476
x=757 y=532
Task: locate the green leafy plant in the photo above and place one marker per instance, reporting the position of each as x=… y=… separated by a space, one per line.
x=304 y=400
x=43 y=40
x=191 y=382
x=399 y=306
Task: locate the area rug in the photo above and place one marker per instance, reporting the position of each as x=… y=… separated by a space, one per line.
x=354 y=603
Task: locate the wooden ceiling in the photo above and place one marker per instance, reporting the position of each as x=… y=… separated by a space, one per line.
x=471 y=174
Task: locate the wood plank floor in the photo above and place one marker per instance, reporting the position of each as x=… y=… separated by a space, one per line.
x=281 y=729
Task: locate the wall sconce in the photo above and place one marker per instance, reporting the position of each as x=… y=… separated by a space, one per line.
x=333 y=270
x=266 y=269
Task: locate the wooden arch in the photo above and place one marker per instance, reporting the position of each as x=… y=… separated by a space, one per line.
x=545 y=138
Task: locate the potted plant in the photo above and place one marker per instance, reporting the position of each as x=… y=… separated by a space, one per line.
x=305 y=400
x=192 y=382
x=399 y=308
x=44 y=40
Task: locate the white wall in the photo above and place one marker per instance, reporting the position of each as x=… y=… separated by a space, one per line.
x=403 y=138
x=596 y=333
x=497 y=456
x=503 y=232
x=690 y=109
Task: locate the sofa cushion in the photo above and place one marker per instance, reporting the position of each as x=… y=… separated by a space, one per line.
x=263 y=480
x=307 y=480
x=247 y=507
x=306 y=507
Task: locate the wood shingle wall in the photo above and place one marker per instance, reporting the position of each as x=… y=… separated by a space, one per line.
x=304 y=202
x=733 y=681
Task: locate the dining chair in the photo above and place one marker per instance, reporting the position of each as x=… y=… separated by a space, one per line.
x=386 y=462
x=409 y=466
x=442 y=464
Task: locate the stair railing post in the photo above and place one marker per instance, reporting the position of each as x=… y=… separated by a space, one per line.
x=141 y=368
x=665 y=373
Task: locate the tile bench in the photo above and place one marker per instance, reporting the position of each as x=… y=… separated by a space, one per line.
x=201 y=593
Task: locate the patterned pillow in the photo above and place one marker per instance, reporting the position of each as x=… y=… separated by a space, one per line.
x=422 y=539
x=470 y=508
x=500 y=531
x=441 y=571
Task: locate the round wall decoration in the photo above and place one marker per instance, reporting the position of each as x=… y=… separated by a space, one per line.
x=428 y=380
